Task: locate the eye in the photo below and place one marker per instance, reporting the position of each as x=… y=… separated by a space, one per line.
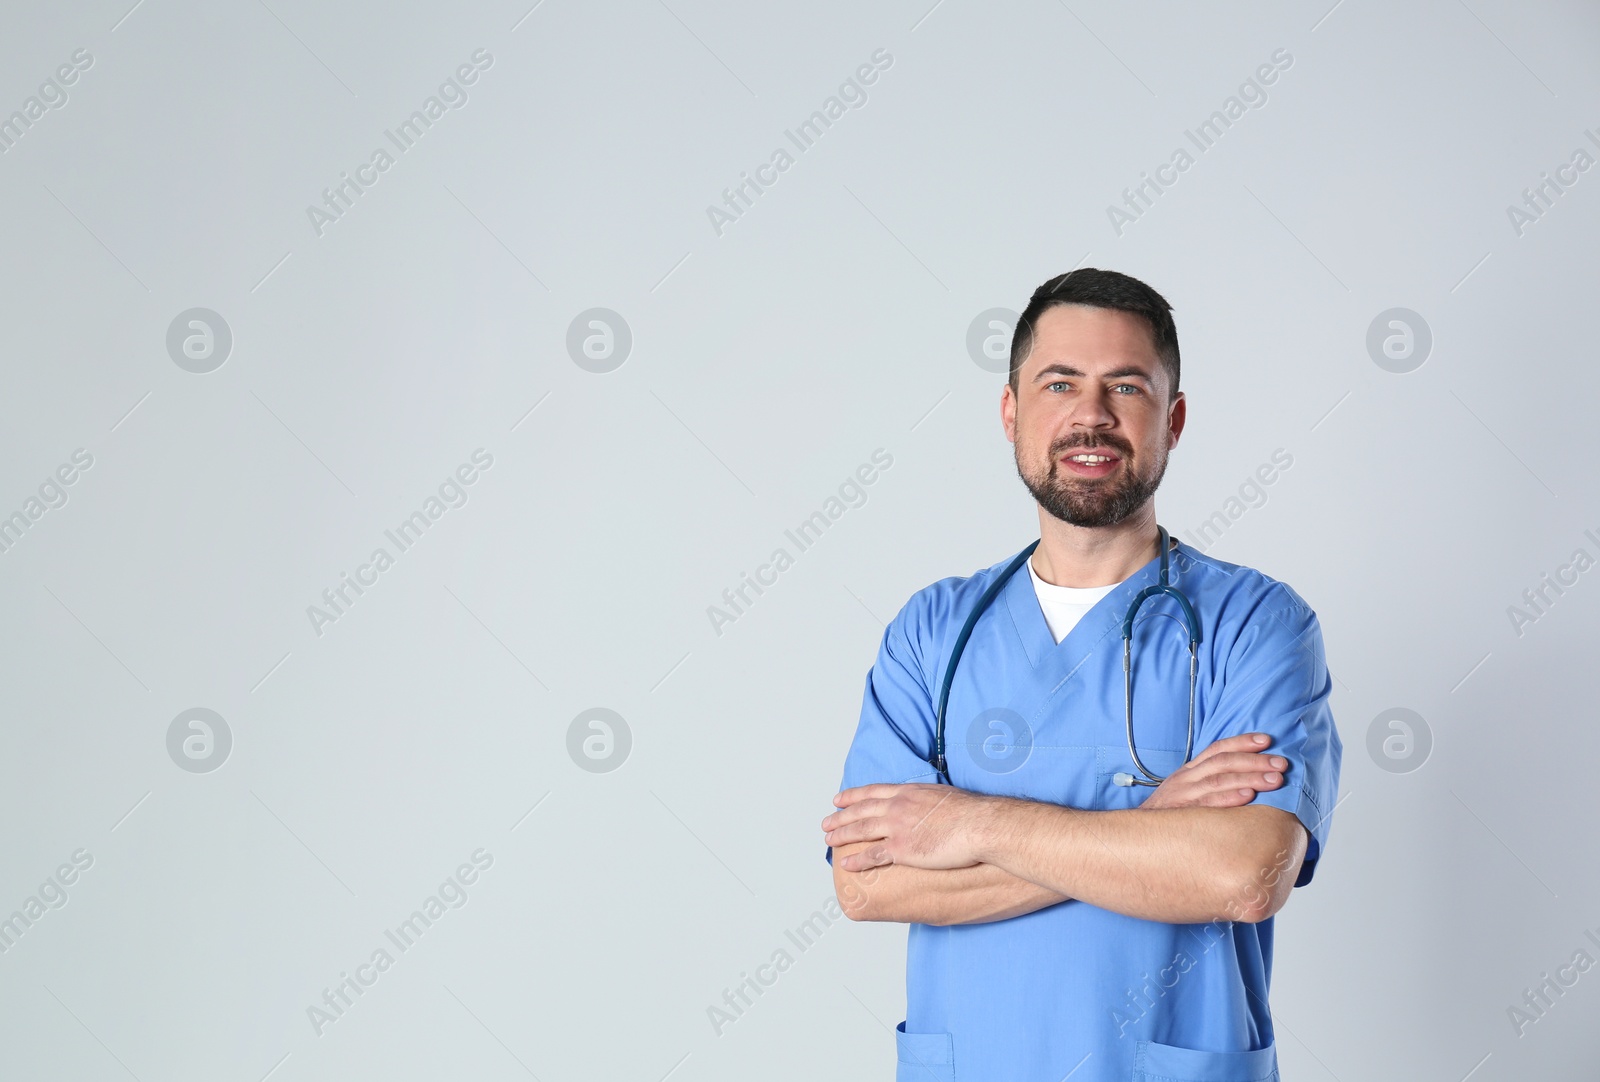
x=1056 y=384
x=1131 y=387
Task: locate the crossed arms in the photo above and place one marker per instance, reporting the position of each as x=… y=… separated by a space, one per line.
x=1194 y=851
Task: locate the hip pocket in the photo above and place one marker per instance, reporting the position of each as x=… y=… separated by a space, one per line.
x=1154 y=1062
x=924 y=1057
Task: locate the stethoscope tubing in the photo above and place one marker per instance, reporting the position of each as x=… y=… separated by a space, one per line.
x=1163 y=587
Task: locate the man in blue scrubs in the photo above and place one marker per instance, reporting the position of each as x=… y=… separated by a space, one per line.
x=1064 y=925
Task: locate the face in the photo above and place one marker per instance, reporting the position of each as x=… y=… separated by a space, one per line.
x=1091 y=419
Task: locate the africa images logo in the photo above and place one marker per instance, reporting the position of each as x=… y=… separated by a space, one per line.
x=451 y=95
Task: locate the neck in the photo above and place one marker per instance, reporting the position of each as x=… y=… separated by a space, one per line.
x=1081 y=556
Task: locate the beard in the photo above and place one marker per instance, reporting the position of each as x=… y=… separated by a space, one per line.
x=1092 y=502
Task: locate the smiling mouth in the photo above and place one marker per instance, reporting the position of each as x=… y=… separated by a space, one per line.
x=1091 y=464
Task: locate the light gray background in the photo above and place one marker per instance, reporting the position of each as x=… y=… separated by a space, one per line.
x=767 y=363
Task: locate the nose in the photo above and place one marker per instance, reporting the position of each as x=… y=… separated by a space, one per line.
x=1092 y=408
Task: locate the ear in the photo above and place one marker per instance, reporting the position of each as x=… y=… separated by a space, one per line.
x=1008 y=413
x=1177 y=414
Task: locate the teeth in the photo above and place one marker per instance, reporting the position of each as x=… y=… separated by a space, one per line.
x=1092 y=460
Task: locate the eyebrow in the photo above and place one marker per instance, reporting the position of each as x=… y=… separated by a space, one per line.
x=1116 y=373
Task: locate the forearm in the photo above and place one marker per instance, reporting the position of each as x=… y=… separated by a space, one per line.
x=903 y=894
x=1175 y=865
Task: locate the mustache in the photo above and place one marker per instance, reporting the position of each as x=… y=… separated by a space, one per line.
x=1089 y=443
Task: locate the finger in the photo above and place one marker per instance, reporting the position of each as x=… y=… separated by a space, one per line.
x=1255 y=780
x=863 y=792
x=1243 y=761
x=1227 y=798
x=873 y=856
x=859 y=810
x=1219 y=789
x=865 y=830
x=1252 y=742
x=1201 y=797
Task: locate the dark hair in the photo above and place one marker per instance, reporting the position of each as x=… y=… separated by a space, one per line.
x=1100 y=289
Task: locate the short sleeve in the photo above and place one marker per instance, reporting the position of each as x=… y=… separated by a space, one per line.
x=894 y=737
x=1275 y=681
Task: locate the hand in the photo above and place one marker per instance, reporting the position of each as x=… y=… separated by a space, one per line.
x=1227 y=774
x=922 y=826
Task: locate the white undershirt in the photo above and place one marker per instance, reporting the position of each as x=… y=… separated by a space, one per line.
x=1064 y=606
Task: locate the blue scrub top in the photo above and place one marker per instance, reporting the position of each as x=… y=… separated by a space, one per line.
x=1073 y=987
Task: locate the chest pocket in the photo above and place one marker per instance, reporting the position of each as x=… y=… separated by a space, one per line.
x=1004 y=756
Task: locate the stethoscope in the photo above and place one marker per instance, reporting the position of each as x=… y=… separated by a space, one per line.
x=1162 y=586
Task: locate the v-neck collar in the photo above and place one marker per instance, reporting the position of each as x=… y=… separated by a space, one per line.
x=1104 y=617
